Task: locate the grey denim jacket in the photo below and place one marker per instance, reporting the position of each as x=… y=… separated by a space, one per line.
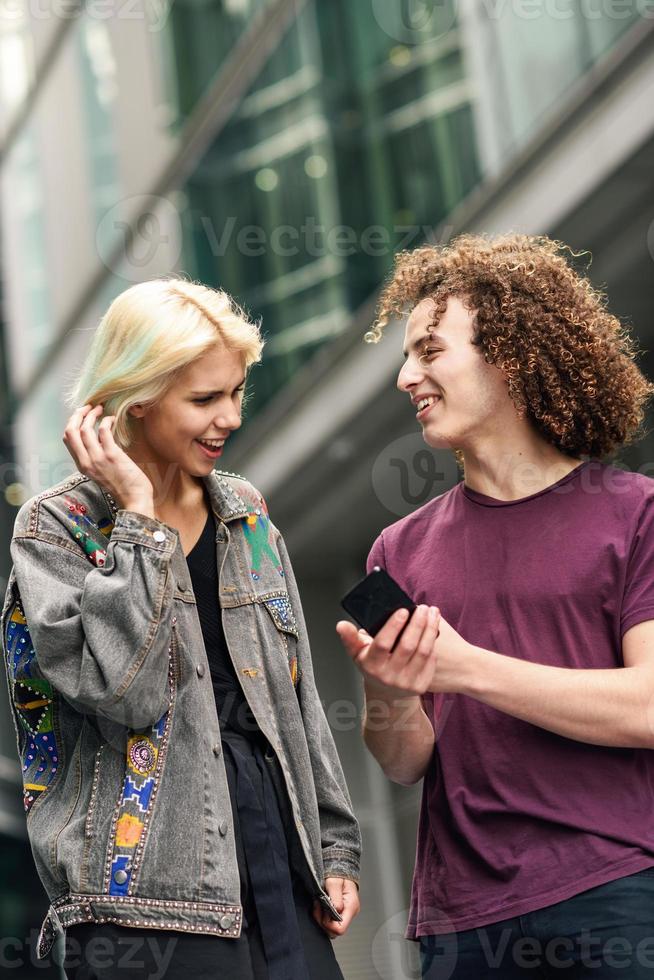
x=127 y=803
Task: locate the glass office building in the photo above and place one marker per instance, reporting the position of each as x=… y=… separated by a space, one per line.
x=284 y=150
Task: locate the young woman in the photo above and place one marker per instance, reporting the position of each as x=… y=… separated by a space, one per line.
x=185 y=803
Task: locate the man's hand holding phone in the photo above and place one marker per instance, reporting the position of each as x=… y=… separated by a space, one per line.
x=392 y=665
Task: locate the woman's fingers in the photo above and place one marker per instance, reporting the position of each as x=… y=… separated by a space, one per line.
x=73 y=440
x=80 y=437
x=75 y=421
x=345 y=898
x=98 y=456
x=87 y=427
x=89 y=438
x=105 y=434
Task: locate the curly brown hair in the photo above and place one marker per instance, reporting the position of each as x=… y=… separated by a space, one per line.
x=569 y=364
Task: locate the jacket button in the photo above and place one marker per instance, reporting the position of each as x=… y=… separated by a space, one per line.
x=200 y=670
x=223 y=828
x=217 y=748
x=120 y=877
x=159 y=535
x=226 y=922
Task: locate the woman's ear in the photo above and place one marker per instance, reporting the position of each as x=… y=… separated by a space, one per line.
x=136 y=411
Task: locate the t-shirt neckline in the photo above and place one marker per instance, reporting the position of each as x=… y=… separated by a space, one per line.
x=486 y=501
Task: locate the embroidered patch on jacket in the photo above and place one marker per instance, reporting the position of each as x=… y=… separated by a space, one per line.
x=281 y=610
x=32 y=702
x=257 y=531
x=143 y=762
x=141 y=755
x=91 y=537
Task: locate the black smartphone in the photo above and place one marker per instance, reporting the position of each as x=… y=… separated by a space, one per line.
x=374 y=599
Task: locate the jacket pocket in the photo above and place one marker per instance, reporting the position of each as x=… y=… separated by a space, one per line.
x=279 y=606
x=281 y=612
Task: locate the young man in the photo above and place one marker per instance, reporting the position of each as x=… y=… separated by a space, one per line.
x=522 y=688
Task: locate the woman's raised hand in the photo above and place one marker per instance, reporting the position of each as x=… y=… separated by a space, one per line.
x=99 y=457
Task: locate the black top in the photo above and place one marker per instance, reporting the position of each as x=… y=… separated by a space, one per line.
x=233 y=710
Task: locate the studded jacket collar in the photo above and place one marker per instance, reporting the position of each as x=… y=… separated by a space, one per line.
x=126 y=799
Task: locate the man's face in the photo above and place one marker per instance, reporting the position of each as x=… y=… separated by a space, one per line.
x=467 y=398
x=204 y=403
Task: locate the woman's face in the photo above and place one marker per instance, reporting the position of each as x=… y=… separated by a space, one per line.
x=204 y=403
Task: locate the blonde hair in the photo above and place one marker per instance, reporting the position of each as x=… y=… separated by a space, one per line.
x=149 y=334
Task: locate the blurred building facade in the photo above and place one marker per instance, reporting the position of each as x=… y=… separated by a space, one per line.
x=284 y=150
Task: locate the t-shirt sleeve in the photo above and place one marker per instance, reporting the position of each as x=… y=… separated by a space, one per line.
x=638 y=597
x=376 y=555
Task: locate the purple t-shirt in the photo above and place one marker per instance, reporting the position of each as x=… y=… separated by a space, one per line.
x=514 y=817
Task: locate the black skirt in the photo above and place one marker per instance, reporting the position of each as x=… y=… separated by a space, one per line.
x=280 y=940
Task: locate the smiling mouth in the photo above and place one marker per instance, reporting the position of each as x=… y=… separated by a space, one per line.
x=211 y=449
x=425 y=404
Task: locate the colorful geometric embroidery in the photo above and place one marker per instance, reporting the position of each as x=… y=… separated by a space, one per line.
x=256 y=529
x=32 y=696
x=90 y=536
x=142 y=755
x=128 y=830
x=32 y=700
x=143 y=761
